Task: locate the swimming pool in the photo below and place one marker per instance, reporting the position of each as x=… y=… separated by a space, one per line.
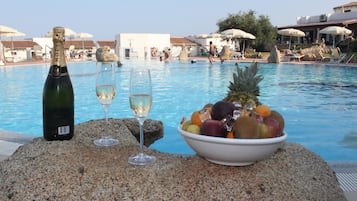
x=319 y=102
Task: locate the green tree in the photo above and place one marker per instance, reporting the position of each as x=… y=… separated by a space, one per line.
x=260 y=26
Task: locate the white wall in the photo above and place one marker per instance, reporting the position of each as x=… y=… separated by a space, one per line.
x=337 y=16
x=218 y=42
x=140 y=44
x=46 y=43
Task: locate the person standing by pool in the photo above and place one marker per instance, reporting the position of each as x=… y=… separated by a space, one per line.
x=212 y=51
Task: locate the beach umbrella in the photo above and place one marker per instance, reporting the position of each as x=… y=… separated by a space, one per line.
x=336 y=30
x=292 y=33
x=67 y=33
x=13 y=34
x=237 y=34
x=205 y=36
x=83 y=36
x=6 y=30
x=234 y=34
x=202 y=36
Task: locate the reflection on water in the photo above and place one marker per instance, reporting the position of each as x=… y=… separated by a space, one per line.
x=350 y=140
x=318 y=102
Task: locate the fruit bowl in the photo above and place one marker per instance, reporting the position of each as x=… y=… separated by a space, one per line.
x=232 y=152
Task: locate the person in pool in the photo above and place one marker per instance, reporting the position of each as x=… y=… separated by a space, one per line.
x=211 y=53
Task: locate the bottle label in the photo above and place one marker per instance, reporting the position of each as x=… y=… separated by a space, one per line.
x=63 y=130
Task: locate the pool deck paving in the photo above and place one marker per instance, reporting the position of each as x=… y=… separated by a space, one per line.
x=346 y=172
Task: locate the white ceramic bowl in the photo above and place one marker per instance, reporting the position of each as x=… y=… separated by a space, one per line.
x=232 y=152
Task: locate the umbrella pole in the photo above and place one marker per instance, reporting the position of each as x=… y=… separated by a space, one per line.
x=290 y=43
x=333 y=42
x=243 y=46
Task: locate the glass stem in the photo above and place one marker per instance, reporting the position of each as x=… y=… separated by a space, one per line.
x=141 y=140
x=106 y=135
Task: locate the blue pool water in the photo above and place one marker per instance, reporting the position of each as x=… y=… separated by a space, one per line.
x=319 y=102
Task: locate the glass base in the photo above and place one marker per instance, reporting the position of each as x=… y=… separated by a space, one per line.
x=141 y=159
x=106 y=142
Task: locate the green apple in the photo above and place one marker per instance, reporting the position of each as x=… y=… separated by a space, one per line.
x=193 y=128
x=265 y=131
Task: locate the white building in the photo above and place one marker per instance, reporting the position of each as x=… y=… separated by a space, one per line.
x=217 y=41
x=46 y=43
x=140 y=45
x=344 y=15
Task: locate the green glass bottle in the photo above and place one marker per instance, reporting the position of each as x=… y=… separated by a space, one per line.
x=58 y=97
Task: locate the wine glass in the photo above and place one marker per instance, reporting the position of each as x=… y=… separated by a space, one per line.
x=140 y=99
x=105 y=90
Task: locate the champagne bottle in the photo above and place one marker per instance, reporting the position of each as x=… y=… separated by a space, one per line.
x=58 y=97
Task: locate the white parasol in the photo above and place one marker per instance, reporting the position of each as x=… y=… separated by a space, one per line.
x=67 y=33
x=83 y=36
x=292 y=33
x=237 y=34
x=335 y=30
x=6 y=30
x=205 y=36
x=13 y=34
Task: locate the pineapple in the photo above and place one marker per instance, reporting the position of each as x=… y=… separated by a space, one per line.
x=244 y=89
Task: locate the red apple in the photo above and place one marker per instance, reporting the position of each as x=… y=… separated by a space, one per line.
x=273 y=125
x=213 y=128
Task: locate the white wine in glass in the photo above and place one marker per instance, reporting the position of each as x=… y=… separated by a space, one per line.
x=140 y=98
x=105 y=91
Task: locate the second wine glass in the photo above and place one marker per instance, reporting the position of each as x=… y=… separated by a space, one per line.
x=105 y=90
x=140 y=98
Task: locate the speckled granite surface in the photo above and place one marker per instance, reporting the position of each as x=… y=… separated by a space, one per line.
x=78 y=170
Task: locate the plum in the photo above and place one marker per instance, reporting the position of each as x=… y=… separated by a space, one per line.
x=221 y=109
x=213 y=128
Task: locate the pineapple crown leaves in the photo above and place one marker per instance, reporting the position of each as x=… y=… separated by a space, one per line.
x=245 y=80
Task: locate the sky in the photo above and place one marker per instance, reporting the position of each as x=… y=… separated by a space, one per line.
x=106 y=18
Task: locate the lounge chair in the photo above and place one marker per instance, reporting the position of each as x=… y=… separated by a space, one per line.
x=296 y=56
x=335 y=56
x=349 y=59
x=293 y=56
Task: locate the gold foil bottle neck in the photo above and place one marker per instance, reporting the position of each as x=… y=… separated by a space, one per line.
x=58 y=37
x=58 y=34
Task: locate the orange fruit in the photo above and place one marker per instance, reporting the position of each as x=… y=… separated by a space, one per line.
x=230 y=134
x=263 y=110
x=196 y=118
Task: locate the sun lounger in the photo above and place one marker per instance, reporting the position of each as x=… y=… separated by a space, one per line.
x=335 y=56
x=293 y=56
x=350 y=58
x=296 y=57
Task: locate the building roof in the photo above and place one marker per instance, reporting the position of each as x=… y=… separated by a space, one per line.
x=181 y=41
x=79 y=44
x=110 y=43
x=346 y=5
x=329 y=23
x=18 y=44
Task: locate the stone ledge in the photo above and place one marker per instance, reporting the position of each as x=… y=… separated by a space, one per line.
x=78 y=170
